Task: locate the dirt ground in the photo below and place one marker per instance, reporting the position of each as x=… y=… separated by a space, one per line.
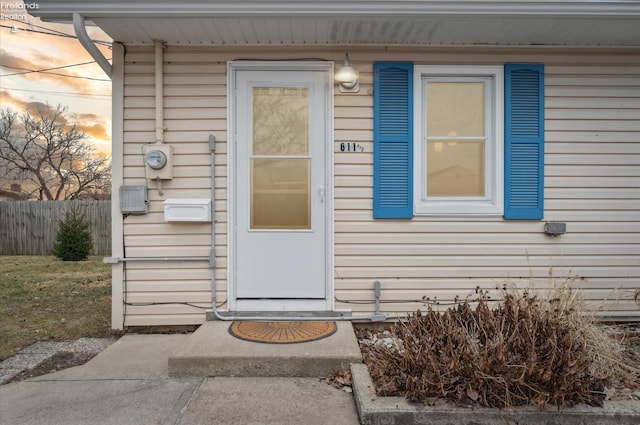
x=59 y=361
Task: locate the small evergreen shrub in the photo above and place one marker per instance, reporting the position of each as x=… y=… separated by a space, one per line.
x=73 y=240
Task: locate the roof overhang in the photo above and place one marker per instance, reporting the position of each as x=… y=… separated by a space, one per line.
x=576 y=23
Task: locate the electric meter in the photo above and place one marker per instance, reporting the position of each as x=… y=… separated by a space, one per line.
x=156 y=159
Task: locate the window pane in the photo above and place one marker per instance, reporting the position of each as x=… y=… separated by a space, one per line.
x=455 y=109
x=280 y=121
x=455 y=168
x=280 y=197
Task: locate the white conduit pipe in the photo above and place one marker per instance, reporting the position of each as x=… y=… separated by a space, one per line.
x=159 y=85
x=113 y=260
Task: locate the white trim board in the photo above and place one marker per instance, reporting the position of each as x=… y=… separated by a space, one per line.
x=63 y=9
x=117 y=180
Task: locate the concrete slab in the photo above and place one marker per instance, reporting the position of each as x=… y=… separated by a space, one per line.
x=254 y=401
x=117 y=402
x=212 y=351
x=131 y=357
x=128 y=384
x=374 y=410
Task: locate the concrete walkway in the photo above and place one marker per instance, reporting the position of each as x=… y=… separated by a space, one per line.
x=128 y=383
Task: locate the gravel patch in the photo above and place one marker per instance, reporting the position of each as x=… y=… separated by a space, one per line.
x=50 y=356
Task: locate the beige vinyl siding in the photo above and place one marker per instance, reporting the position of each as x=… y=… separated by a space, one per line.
x=592 y=182
x=194 y=107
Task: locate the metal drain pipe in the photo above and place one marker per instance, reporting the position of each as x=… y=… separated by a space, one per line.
x=234 y=317
x=80 y=29
x=114 y=260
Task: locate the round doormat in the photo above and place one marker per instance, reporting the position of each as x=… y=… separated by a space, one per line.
x=282 y=332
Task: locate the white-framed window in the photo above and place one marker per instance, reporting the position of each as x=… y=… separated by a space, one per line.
x=459 y=141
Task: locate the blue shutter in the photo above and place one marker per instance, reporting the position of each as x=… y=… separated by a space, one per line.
x=393 y=140
x=524 y=142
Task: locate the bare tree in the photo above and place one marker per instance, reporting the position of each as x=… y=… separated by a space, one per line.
x=49 y=156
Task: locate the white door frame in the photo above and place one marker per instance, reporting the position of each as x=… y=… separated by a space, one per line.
x=265 y=305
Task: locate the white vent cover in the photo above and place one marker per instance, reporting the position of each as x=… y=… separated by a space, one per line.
x=197 y=210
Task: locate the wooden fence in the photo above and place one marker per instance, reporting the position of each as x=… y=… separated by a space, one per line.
x=30 y=227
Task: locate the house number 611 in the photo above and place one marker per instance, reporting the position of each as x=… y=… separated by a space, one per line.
x=351 y=147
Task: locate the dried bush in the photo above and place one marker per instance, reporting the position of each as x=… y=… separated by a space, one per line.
x=523 y=350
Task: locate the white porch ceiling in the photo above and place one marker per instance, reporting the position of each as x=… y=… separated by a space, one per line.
x=374 y=31
x=360 y=22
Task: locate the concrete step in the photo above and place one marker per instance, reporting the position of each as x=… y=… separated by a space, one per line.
x=212 y=351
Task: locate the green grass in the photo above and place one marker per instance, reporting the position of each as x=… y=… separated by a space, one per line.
x=44 y=298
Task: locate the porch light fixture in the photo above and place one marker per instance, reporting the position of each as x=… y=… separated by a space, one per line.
x=347 y=77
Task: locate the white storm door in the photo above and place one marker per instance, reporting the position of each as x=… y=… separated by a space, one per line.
x=280 y=206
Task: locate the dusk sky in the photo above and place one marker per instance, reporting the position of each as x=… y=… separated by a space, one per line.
x=27 y=44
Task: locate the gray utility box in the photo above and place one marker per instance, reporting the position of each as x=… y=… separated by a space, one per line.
x=555 y=229
x=134 y=200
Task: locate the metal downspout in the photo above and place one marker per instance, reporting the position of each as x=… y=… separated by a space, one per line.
x=79 y=27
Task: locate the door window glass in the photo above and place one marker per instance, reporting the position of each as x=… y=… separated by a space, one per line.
x=280 y=163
